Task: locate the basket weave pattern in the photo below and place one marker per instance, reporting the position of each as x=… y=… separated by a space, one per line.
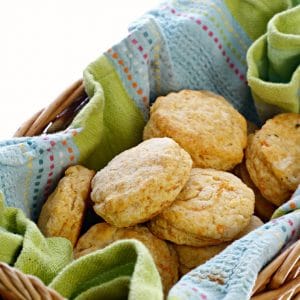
x=15 y=285
x=57 y=110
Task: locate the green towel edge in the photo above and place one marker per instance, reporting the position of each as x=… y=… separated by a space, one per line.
x=111 y=290
x=145 y=283
x=31 y=252
x=261 y=12
x=267 y=106
x=279 y=35
x=109 y=101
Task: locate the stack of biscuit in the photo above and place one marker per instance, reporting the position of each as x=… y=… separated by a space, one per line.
x=214 y=207
x=273 y=158
x=174 y=191
x=271 y=167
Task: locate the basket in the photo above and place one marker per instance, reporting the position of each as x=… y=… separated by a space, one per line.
x=280 y=279
x=58 y=115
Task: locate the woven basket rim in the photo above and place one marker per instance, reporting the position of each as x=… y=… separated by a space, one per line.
x=41 y=119
x=16 y=285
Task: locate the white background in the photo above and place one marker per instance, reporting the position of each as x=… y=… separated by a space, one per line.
x=46 y=44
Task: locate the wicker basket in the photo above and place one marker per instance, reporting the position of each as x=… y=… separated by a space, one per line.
x=278 y=280
x=58 y=115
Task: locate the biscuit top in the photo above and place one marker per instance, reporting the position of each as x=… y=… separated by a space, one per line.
x=204 y=124
x=213 y=204
x=140 y=182
x=280 y=145
x=63 y=212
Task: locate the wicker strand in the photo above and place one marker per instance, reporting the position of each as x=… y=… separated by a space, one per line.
x=265 y=275
x=295 y=272
x=30 y=288
x=282 y=273
x=18 y=285
x=22 y=130
x=36 y=124
x=297 y=297
x=287 y=291
x=280 y=279
x=7 y=286
x=14 y=285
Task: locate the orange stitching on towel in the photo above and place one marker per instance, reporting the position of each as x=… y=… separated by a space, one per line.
x=134 y=84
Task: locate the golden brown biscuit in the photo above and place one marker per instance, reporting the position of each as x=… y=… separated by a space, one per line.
x=190 y=257
x=140 y=182
x=263 y=208
x=273 y=156
x=62 y=214
x=213 y=207
x=103 y=234
x=202 y=123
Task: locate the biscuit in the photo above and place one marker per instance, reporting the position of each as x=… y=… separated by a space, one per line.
x=273 y=156
x=213 y=207
x=164 y=255
x=202 y=123
x=140 y=182
x=63 y=212
x=263 y=208
x=190 y=257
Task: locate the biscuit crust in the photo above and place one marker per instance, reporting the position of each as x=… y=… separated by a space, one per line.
x=140 y=182
x=202 y=123
x=213 y=207
x=163 y=253
x=263 y=208
x=273 y=157
x=190 y=257
x=63 y=212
